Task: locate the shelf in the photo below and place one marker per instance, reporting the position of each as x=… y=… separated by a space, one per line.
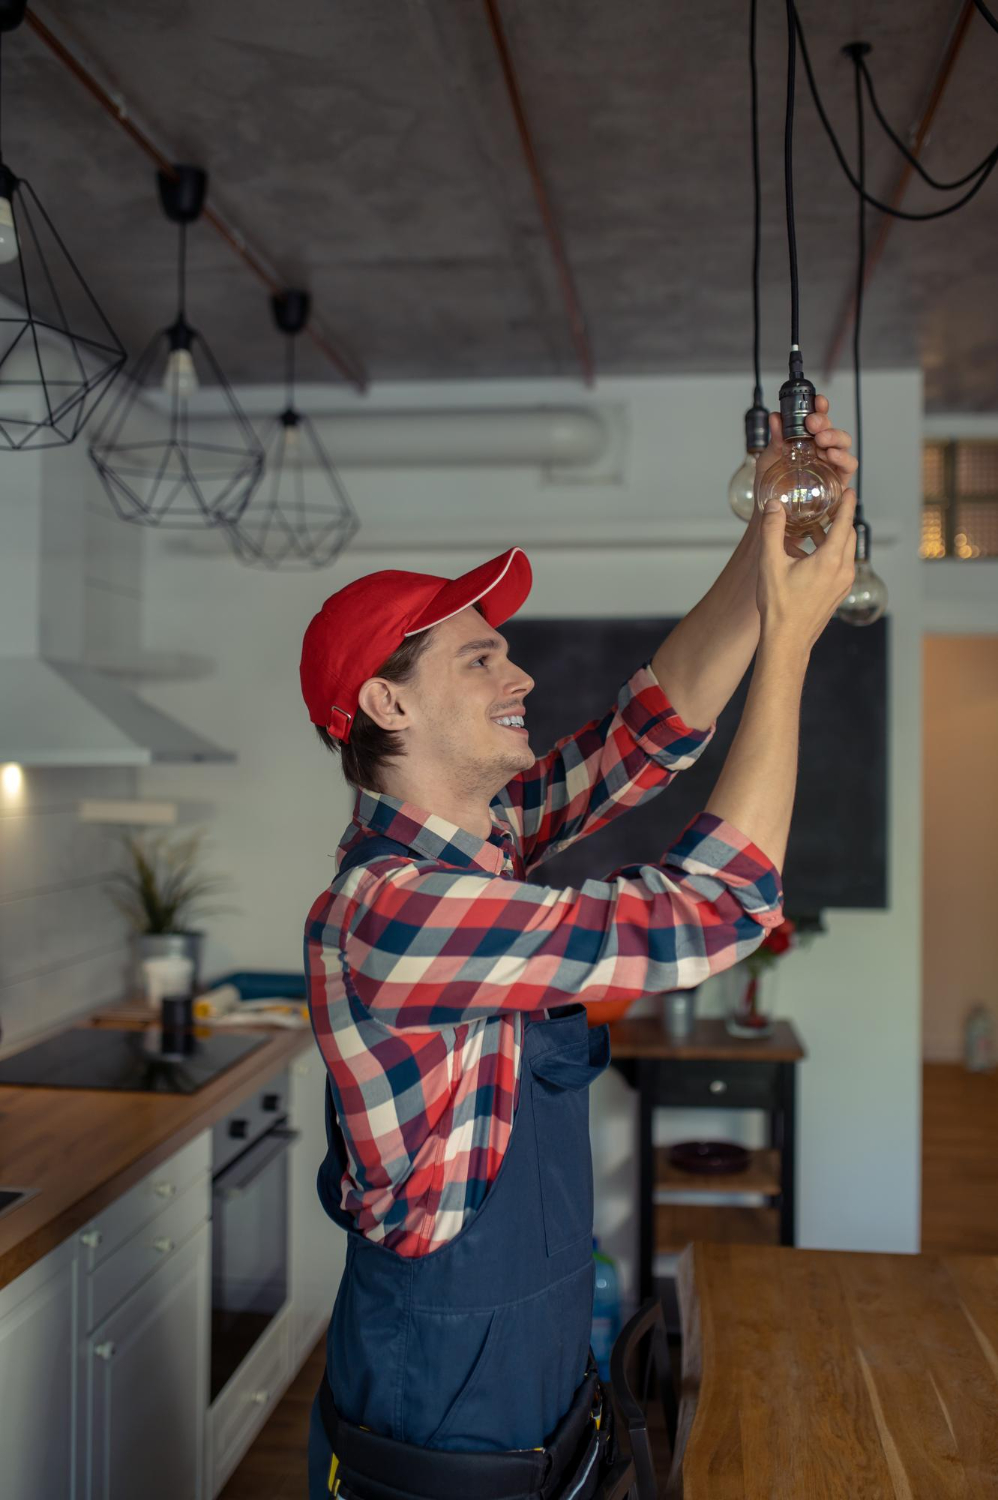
x=761 y=1176
x=676 y=1224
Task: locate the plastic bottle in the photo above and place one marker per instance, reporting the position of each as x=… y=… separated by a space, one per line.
x=606 y=1309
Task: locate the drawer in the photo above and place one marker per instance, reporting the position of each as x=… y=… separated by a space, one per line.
x=717 y=1085
x=241 y=1408
x=155 y=1243
x=126 y=1216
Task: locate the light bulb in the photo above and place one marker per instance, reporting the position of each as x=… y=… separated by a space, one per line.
x=180 y=378
x=804 y=483
x=867 y=599
x=9 y=248
x=741 y=490
x=292 y=440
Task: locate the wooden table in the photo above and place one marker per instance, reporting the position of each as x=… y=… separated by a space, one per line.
x=821 y=1375
x=710 y=1070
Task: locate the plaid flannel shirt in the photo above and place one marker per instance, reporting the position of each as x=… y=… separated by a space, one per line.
x=422 y=970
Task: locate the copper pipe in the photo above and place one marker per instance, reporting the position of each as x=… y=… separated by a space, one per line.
x=351 y=371
x=887 y=223
x=573 y=308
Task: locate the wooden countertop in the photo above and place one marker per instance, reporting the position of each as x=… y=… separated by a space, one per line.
x=82 y=1148
x=836 y=1376
x=646 y=1036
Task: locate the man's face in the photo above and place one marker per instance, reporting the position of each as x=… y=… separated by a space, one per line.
x=464 y=685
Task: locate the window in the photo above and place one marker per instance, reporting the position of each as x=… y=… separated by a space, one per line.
x=960 y=499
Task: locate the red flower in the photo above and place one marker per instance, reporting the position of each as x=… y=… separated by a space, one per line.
x=779 y=939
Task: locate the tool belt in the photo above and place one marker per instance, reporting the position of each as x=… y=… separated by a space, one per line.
x=368 y=1466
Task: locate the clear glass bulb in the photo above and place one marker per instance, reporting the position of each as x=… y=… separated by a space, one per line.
x=866 y=600
x=180 y=377
x=292 y=441
x=9 y=249
x=803 y=482
x=741 y=490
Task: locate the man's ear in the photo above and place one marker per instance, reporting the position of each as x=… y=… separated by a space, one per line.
x=379 y=699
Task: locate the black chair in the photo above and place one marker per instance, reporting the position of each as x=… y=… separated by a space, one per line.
x=640 y=1357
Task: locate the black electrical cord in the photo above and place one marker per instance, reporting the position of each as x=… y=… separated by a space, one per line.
x=991 y=20
x=860 y=278
x=757 y=200
x=897 y=213
x=943 y=187
x=182 y=275
x=788 y=174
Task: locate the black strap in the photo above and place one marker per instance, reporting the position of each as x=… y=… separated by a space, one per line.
x=373 y=1467
x=373 y=847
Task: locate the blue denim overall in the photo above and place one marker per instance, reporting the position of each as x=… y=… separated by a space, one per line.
x=480 y=1345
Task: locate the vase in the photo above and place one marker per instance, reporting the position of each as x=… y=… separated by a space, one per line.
x=679 y=1013
x=169 y=945
x=748 y=1019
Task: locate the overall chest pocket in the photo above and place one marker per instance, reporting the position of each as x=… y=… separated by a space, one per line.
x=560 y=1080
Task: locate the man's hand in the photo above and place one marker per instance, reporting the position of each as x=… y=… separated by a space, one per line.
x=831 y=442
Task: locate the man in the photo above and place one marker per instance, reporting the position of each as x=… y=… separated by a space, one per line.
x=447 y=989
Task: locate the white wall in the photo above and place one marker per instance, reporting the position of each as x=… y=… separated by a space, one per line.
x=74 y=587
x=277 y=816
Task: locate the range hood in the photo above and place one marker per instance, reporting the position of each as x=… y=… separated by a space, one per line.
x=64 y=714
x=69 y=592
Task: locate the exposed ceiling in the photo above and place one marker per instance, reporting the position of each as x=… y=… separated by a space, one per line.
x=368 y=149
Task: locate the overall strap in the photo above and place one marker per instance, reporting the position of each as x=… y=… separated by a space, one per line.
x=375 y=847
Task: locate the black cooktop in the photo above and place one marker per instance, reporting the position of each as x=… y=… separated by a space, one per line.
x=145 y=1062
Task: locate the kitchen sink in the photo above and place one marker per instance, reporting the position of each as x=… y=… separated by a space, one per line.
x=11 y=1197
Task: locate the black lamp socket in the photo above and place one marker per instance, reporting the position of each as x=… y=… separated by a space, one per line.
x=291 y=309
x=796 y=398
x=756 y=428
x=12 y=14
x=182 y=196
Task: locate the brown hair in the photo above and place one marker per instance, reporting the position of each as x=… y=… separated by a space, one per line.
x=369 y=746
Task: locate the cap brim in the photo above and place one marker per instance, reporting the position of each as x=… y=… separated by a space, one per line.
x=500 y=586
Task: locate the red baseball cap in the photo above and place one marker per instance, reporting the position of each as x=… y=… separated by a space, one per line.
x=358 y=628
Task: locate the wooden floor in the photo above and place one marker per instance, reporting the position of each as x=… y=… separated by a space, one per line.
x=959 y=1160
x=959 y=1215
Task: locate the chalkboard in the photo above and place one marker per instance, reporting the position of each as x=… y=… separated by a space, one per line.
x=837 y=853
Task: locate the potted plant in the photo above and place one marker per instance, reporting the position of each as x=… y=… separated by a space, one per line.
x=162 y=894
x=748 y=1019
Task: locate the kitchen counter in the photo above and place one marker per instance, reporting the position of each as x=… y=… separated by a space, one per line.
x=80 y=1149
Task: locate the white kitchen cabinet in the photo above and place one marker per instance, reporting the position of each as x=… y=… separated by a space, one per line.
x=318 y=1246
x=39 y=1380
x=147 y=1381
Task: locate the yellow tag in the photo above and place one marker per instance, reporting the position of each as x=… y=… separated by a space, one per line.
x=334 y=1464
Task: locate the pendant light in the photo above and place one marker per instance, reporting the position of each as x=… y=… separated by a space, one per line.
x=741 y=490
x=58 y=352
x=176 y=477
x=301 y=515
x=801 y=480
x=867 y=599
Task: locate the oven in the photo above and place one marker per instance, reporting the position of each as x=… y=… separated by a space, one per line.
x=249 y=1252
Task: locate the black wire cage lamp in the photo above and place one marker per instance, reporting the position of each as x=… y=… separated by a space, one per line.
x=58 y=352
x=301 y=516
x=183 y=477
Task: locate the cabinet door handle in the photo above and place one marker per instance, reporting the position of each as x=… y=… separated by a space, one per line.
x=105 y=1350
x=91 y=1238
x=163 y=1245
x=258 y=1398
x=718 y=1086
x=165 y=1189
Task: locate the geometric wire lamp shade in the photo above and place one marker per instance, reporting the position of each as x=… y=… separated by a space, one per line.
x=58 y=352
x=301 y=515
x=157 y=468
x=160 y=472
